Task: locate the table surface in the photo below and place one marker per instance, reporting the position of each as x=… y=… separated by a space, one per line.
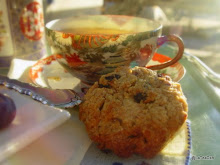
x=201 y=87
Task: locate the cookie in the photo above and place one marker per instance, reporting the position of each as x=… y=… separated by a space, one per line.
x=133 y=111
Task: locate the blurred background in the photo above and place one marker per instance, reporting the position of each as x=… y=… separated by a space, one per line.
x=197 y=21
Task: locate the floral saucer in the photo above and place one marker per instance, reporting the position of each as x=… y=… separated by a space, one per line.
x=175 y=71
x=47 y=72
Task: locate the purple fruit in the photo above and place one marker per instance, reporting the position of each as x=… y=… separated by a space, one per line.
x=7 y=110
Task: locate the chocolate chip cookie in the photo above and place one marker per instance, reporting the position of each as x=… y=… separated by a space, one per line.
x=133 y=111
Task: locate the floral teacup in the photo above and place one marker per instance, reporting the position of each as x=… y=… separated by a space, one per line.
x=95 y=45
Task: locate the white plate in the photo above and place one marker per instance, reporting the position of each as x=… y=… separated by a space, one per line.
x=32 y=120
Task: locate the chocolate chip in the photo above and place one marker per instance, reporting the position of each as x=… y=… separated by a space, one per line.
x=132 y=136
x=104 y=86
x=159 y=75
x=101 y=107
x=110 y=78
x=145 y=140
x=140 y=96
x=117 y=76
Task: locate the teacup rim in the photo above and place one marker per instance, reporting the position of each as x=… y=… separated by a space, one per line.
x=50 y=23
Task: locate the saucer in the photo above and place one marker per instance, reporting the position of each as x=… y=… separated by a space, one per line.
x=47 y=72
x=175 y=71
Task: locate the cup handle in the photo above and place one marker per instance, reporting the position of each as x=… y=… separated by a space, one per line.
x=160 y=41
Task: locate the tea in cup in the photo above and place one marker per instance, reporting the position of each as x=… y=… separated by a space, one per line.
x=95 y=45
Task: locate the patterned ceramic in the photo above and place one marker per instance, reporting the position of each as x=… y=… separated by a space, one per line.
x=22 y=26
x=89 y=55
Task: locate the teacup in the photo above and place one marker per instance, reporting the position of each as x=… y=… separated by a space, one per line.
x=95 y=45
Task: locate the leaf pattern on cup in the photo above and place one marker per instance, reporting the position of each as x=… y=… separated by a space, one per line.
x=108 y=51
